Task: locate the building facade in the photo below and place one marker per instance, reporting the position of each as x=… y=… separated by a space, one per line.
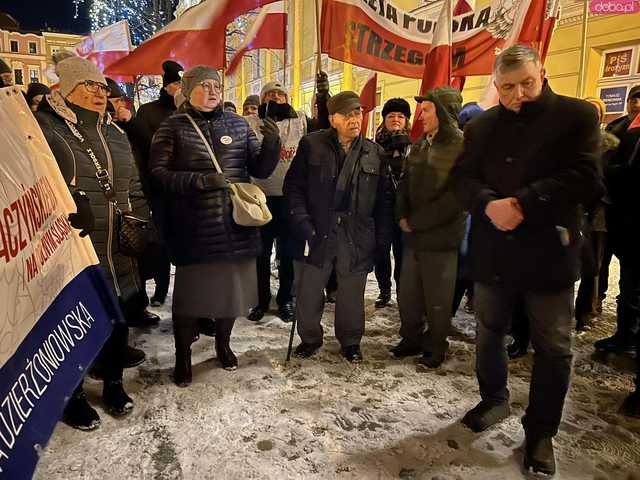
x=611 y=60
x=29 y=54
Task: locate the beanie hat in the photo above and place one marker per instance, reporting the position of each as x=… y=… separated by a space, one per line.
x=397 y=105
x=269 y=87
x=469 y=112
x=171 y=71
x=344 y=103
x=36 y=89
x=634 y=92
x=230 y=106
x=601 y=107
x=195 y=76
x=4 y=67
x=75 y=70
x=116 y=91
x=252 y=100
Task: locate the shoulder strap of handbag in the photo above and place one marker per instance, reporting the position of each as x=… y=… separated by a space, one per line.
x=101 y=174
x=206 y=144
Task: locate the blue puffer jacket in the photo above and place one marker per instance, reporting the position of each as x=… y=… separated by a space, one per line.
x=198 y=225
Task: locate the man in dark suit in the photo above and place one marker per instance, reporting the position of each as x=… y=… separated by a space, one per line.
x=527 y=167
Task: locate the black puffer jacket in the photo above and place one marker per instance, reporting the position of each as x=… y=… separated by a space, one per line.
x=310 y=187
x=198 y=225
x=111 y=146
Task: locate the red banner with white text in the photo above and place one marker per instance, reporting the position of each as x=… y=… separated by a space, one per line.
x=378 y=35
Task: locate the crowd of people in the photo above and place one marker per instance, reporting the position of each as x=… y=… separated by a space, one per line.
x=511 y=206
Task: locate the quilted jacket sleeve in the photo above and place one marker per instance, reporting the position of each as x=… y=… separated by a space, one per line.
x=160 y=160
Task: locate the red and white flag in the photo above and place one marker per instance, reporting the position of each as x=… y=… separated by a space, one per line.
x=437 y=65
x=464 y=6
x=106 y=46
x=268 y=30
x=196 y=37
x=368 y=100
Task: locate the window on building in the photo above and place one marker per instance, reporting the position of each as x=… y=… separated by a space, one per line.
x=14 y=46
x=619 y=71
x=34 y=75
x=33 y=48
x=18 y=76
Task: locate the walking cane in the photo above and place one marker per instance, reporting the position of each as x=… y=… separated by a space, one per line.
x=294 y=320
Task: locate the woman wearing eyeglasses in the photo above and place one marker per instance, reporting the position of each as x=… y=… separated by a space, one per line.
x=75 y=125
x=215 y=258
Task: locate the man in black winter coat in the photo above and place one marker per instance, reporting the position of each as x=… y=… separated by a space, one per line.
x=619 y=128
x=528 y=165
x=339 y=194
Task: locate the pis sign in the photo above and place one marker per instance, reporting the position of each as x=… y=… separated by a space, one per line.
x=614 y=7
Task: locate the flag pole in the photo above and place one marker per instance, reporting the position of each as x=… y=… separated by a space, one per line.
x=319 y=40
x=583 y=51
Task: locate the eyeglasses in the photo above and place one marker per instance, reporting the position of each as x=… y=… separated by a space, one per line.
x=210 y=87
x=94 y=87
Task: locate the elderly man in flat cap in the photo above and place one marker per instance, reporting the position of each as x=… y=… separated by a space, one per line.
x=339 y=194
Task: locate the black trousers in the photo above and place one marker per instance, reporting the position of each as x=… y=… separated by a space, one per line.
x=383 y=262
x=589 y=297
x=155 y=264
x=551 y=319
x=276 y=229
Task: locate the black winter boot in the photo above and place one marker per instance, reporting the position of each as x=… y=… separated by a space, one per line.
x=115 y=399
x=185 y=332
x=79 y=414
x=538 y=455
x=486 y=414
x=225 y=355
x=383 y=299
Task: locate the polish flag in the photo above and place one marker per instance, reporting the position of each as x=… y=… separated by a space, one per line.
x=106 y=46
x=368 y=100
x=537 y=31
x=269 y=30
x=196 y=37
x=464 y=6
x=437 y=65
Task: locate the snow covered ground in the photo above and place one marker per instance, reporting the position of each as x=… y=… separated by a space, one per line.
x=325 y=418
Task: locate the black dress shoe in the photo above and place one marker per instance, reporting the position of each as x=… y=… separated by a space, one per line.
x=156 y=302
x=352 y=353
x=616 y=344
x=115 y=399
x=383 y=299
x=207 y=327
x=406 y=349
x=432 y=360
x=79 y=414
x=133 y=357
x=486 y=414
x=538 y=455
x=330 y=297
x=256 y=314
x=516 y=350
x=286 y=312
x=145 y=319
x=631 y=405
x=306 y=350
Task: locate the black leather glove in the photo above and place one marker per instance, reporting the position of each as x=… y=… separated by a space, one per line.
x=212 y=181
x=270 y=131
x=322 y=83
x=307 y=231
x=83 y=219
